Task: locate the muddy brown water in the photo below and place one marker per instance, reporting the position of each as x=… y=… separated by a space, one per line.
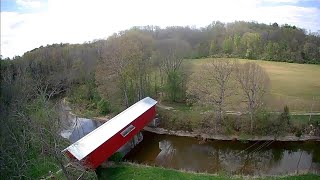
x=232 y=157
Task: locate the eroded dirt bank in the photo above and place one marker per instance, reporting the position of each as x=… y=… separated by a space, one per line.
x=231 y=137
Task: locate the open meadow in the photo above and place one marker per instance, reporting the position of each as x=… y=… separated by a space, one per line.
x=295 y=85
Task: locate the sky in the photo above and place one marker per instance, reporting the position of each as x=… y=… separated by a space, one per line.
x=28 y=24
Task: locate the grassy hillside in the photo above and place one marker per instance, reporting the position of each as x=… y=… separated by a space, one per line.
x=292 y=84
x=126 y=171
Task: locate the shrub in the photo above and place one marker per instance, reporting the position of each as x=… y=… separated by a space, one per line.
x=104 y=107
x=298 y=133
x=249 y=54
x=116 y=157
x=179 y=120
x=232 y=124
x=265 y=123
x=174 y=86
x=285 y=116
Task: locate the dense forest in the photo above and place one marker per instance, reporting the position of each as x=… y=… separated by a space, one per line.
x=129 y=65
x=242 y=39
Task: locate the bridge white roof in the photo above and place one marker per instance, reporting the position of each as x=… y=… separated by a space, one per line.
x=97 y=137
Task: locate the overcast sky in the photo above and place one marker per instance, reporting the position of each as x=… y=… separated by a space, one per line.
x=27 y=24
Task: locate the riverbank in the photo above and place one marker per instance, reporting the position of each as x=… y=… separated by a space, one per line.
x=193 y=121
x=136 y=171
x=202 y=135
x=205 y=136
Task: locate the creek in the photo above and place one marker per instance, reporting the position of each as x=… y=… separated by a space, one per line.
x=232 y=157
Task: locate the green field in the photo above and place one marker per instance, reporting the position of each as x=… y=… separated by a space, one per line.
x=131 y=171
x=295 y=85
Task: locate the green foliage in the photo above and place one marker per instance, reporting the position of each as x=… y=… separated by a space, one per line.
x=282 y=123
x=271 y=124
x=180 y=120
x=266 y=123
x=298 y=133
x=303 y=119
x=227 y=45
x=104 y=107
x=203 y=49
x=251 y=42
x=65 y=69
x=232 y=124
x=249 y=54
x=123 y=72
x=311 y=51
x=300 y=177
x=237 y=44
x=174 y=86
x=213 y=48
x=116 y=157
x=131 y=171
x=143 y=173
x=87 y=101
x=316 y=123
x=285 y=116
x=40 y=166
x=273 y=51
x=29 y=151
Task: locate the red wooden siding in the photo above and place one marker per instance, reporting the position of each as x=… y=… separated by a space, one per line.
x=103 y=152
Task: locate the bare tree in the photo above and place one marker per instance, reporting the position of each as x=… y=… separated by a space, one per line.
x=211 y=85
x=171 y=52
x=109 y=72
x=254 y=82
x=124 y=66
x=169 y=55
x=32 y=130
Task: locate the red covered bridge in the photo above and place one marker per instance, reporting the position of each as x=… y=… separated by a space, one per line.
x=97 y=146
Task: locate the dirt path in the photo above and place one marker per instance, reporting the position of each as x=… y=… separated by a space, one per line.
x=162 y=106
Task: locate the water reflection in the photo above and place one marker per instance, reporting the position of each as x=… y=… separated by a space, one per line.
x=261 y=158
x=166 y=154
x=73 y=127
x=78 y=128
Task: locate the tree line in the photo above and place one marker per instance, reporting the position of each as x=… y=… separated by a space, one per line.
x=147 y=60
x=151 y=48
x=249 y=40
